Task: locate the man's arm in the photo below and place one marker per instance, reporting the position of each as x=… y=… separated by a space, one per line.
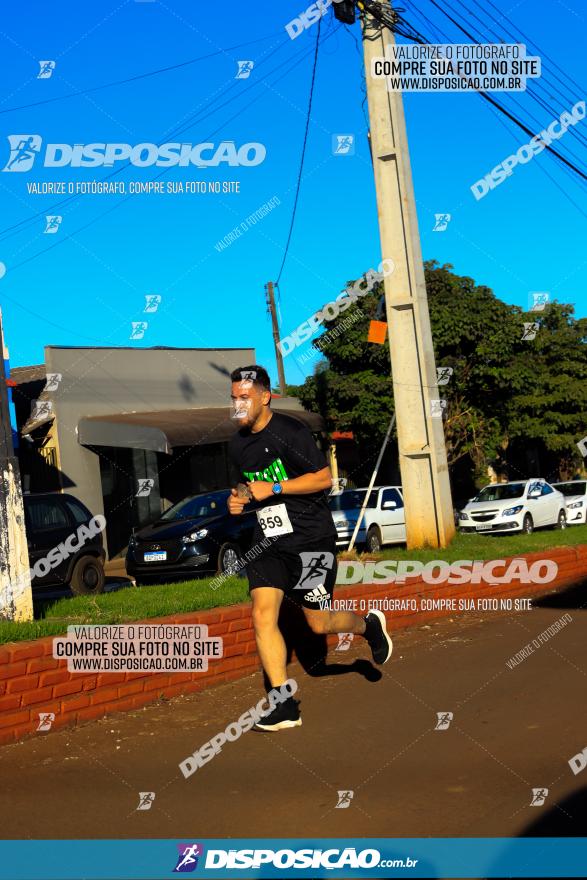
x=307 y=484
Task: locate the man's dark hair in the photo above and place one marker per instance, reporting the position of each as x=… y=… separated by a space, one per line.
x=254 y=373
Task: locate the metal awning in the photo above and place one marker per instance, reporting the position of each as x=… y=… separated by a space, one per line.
x=164 y=430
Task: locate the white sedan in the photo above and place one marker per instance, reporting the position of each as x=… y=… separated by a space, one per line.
x=575 y=492
x=519 y=506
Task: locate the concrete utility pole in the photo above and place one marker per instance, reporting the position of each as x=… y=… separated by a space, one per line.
x=422 y=452
x=16 y=598
x=270 y=298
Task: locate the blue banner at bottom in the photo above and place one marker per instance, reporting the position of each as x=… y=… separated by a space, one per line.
x=284 y=857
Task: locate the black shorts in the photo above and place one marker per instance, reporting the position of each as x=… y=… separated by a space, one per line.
x=306 y=575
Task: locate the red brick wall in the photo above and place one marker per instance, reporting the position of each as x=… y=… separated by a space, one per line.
x=32 y=681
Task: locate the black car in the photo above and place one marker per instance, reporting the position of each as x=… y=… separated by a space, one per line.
x=198 y=535
x=64 y=542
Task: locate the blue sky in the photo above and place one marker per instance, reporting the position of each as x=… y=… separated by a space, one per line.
x=524 y=236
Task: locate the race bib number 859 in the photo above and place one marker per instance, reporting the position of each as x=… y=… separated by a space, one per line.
x=274 y=520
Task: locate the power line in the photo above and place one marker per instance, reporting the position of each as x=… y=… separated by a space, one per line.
x=179 y=129
x=375 y=9
x=299 y=181
x=65 y=238
x=139 y=76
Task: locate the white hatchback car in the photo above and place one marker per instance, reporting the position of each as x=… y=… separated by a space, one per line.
x=519 y=506
x=575 y=492
x=383 y=522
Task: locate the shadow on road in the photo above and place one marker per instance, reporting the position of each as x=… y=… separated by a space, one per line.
x=573 y=597
x=311 y=649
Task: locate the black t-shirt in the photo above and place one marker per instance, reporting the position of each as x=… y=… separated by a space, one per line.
x=283 y=450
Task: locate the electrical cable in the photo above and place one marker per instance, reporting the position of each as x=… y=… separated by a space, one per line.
x=139 y=76
x=304 y=145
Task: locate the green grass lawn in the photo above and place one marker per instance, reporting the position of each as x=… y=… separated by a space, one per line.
x=137 y=603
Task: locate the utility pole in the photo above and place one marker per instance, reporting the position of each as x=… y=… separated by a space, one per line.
x=270 y=299
x=16 y=598
x=422 y=452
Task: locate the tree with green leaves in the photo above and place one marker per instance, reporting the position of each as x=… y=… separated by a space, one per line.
x=506 y=391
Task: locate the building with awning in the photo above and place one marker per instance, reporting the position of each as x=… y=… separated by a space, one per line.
x=130 y=431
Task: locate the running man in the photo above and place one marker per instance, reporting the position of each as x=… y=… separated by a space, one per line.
x=287 y=475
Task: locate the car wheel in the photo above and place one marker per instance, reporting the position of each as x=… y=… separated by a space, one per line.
x=230 y=560
x=562 y=520
x=374 y=540
x=528 y=525
x=88 y=576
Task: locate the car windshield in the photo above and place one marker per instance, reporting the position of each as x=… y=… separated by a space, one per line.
x=197 y=506
x=569 y=489
x=351 y=499
x=501 y=492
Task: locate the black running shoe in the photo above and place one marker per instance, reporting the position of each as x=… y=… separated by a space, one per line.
x=286 y=714
x=376 y=635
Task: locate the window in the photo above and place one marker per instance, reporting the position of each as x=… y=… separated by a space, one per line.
x=78 y=512
x=500 y=492
x=569 y=489
x=213 y=504
x=352 y=499
x=391 y=495
x=47 y=514
x=546 y=490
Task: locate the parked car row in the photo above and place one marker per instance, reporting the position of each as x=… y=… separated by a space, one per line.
x=198 y=535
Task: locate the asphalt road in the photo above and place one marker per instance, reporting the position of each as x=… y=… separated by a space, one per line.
x=363 y=731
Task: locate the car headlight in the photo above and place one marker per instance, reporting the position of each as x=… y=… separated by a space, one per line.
x=511 y=511
x=195 y=536
x=574 y=505
x=463 y=515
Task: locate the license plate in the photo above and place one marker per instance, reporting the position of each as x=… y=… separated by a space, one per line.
x=484 y=527
x=155 y=556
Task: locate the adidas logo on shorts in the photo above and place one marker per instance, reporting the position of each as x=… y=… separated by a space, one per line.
x=318 y=594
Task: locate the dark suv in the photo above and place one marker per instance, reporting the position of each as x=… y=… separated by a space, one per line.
x=65 y=543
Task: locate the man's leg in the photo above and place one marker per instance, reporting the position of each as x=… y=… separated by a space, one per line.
x=325 y=621
x=270 y=643
x=372 y=627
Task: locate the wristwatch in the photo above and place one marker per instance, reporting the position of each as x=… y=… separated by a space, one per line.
x=277 y=489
